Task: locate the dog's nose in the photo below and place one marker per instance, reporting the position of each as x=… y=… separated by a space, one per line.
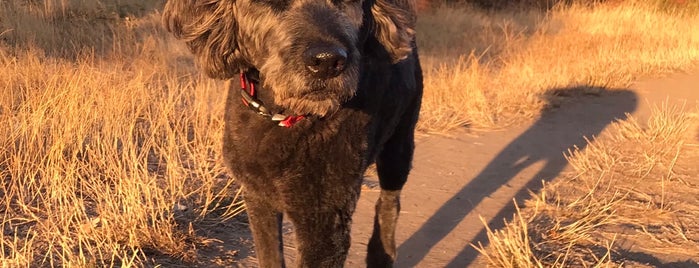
x=325 y=61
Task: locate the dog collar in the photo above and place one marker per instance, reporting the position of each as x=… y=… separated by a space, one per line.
x=247 y=90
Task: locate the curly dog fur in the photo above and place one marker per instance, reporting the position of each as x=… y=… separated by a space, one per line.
x=350 y=67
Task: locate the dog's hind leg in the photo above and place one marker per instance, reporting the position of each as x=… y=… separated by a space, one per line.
x=393 y=165
x=265 y=223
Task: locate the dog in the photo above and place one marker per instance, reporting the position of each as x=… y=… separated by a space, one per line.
x=317 y=91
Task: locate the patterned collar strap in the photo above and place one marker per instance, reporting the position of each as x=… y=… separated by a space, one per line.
x=247 y=91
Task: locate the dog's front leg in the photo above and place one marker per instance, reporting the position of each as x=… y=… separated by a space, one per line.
x=322 y=237
x=393 y=166
x=382 y=246
x=265 y=223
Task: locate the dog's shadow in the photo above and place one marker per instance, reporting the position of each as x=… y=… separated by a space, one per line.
x=585 y=113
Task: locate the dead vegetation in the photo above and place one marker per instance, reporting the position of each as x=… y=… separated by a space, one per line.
x=110 y=138
x=108 y=149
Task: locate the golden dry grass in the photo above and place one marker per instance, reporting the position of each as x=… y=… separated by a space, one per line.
x=106 y=143
x=110 y=138
x=630 y=199
x=489 y=70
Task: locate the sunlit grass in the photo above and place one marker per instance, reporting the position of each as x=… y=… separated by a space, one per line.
x=489 y=70
x=110 y=138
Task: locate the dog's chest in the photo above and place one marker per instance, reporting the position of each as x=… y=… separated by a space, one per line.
x=333 y=148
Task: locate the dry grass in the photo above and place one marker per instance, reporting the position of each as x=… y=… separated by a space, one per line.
x=489 y=70
x=110 y=139
x=630 y=200
x=105 y=144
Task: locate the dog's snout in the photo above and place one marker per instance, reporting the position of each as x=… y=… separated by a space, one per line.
x=325 y=61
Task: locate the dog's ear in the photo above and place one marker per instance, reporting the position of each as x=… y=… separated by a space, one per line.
x=208 y=27
x=395 y=26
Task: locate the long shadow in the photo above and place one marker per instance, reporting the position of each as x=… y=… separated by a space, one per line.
x=558 y=129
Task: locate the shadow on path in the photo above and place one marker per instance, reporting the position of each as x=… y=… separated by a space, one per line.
x=559 y=129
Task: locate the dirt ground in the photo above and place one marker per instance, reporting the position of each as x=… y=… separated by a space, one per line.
x=459 y=177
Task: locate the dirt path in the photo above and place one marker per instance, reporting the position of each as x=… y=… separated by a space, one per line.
x=458 y=178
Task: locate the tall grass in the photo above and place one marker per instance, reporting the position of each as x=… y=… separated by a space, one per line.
x=105 y=142
x=110 y=138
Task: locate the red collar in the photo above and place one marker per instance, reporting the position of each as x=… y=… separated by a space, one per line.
x=247 y=90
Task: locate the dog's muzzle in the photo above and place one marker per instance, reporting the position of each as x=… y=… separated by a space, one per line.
x=325 y=61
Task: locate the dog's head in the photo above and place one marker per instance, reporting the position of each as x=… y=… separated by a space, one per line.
x=307 y=51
